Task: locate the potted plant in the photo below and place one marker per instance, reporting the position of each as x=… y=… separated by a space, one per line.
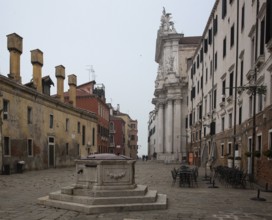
x=257 y=153
x=268 y=153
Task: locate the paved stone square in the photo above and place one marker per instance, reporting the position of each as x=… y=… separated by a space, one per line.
x=19 y=194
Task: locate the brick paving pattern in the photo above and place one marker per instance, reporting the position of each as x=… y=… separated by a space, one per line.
x=19 y=194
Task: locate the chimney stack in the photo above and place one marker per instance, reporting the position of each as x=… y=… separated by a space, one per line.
x=15 y=47
x=60 y=75
x=72 y=81
x=37 y=62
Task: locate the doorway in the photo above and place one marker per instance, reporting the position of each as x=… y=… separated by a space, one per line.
x=51 y=152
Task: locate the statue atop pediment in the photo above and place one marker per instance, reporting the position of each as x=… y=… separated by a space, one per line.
x=166 y=24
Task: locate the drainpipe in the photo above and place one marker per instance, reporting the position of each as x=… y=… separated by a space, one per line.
x=236 y=77
x=254 y=94
x=213 y=109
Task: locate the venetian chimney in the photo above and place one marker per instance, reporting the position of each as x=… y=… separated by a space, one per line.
x=15 y=47
x=72 y=81
x=37 y=62
x=60 y=75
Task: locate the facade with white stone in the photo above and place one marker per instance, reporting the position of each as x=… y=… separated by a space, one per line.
x=230 y=88
x=173 y=51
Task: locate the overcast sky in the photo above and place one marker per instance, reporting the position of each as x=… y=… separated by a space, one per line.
x=116 y=37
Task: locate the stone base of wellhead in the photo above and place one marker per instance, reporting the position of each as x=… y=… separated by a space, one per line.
x=105 y=183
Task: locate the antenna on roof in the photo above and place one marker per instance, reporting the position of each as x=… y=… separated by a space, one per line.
x=91 y=70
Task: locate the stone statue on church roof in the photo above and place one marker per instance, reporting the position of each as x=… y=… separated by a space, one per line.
x=167 y=26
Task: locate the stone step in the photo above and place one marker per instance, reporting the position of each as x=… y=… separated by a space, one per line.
x=139 y=190
x=161 y=203
x=149 y=197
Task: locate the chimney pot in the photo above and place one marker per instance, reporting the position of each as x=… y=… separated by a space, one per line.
x=60 y=71
x=72 y=81
x=15 y=42
x=37 y=57
x=60 y=74
x=37 y=62
x=15 y=47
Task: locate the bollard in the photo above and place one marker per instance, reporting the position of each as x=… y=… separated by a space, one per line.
x=213 y=185
x=258 y=198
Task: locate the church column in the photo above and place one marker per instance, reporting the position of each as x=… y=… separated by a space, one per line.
x=160 y=134
x=169 y=127
x=177 y=128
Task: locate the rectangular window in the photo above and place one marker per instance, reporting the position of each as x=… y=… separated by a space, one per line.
x=5 y=109
x=222 y=150
x=201 y=82
x=223 y=90
x=249 y=146
x=204 y=131
x=231 y=84
x=214 y=99
x=232 y=36
x=240 y=115
x=243 y=18
x=211 y=68
x=206 y=75
x=29 y=115
x=262 y=37
x=200 y=112
x=230 y=120
x=6 y=146
x=259 y=143
x=229 y=148
x=241 y=72
x=205 y=45
x=29 y=147
x=51 y=121
x=224 y=8
x=268 y=21
x=215 y=60
x=210 y=36
x=206 y=104
x=222 y=124
x=215 y=25
x=78 y=127
x=67 y=124
x=93 y=136
x=224 y=47
x=197 y=62
x=201 y=55
x=83 y=135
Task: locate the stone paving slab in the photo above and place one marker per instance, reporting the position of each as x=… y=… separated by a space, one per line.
x=19 y=195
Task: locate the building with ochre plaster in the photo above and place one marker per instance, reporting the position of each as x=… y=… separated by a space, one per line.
x=38 y=130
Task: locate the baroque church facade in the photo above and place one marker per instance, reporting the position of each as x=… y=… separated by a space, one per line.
x=173 y=52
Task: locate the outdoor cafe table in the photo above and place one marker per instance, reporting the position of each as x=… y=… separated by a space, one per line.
x=187 y=175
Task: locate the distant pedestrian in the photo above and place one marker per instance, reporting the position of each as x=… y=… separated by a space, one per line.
x=143 y=158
